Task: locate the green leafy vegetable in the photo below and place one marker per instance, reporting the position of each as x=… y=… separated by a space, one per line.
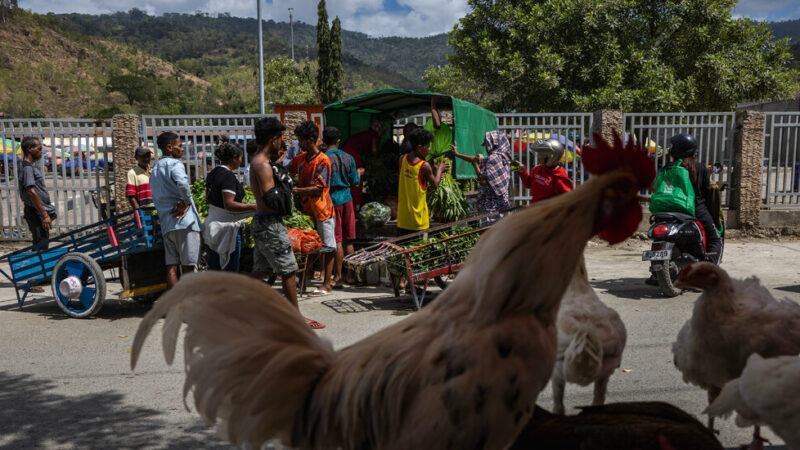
x=375 y=214
x=447 y=202
x=198 y=189
x=298 y=220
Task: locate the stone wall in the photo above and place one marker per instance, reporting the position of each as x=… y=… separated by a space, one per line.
x=126 y=139
x=607 y=120
x=748 y=152
x=292 y=119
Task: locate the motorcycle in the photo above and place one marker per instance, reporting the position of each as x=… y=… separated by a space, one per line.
x=678 y=240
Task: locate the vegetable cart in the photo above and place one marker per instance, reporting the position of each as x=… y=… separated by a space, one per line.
x=75 y=262
x=434 y=254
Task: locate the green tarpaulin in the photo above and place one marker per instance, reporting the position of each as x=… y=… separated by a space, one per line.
x=471 y=121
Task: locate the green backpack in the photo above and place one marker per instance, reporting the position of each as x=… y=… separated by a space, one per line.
x=673 y=191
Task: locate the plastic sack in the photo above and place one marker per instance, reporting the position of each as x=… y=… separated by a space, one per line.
x=375 y=214
x=304 y=241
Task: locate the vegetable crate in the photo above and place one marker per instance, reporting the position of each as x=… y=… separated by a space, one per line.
x=75 y=262
x=434 y=254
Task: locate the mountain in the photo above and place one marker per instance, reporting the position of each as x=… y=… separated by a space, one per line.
x=188 y=38
x=789 y=28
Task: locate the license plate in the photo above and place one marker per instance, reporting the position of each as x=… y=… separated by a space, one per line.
x=656 y=255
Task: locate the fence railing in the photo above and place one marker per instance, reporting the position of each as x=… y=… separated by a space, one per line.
x=713 y=131
x=77 y=158
x=780 y=183
x=200 y=135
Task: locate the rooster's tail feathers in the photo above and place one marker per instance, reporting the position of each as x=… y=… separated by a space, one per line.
x=583 y=357
x=250 y=359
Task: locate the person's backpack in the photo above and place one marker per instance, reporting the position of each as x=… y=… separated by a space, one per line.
x=673 y=191
x=279 y=197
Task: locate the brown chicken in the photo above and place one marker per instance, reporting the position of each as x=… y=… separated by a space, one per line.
x=630 y=425
x=732 y=319
x=464 y=372
x=591 y=338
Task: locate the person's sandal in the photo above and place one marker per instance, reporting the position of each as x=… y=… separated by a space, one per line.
x=314 y=324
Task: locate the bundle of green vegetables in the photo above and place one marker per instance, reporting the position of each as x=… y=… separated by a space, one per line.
x=436 y=256
x=298 y=220
x=198 y=189
x=447 y=202
x=375 y=214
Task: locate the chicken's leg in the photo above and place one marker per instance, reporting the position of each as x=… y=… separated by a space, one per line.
x=758 y=441
x=600 y=389
x=712 y=395
x=558 y=394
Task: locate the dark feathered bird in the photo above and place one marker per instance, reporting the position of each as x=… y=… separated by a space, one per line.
x=633 y=425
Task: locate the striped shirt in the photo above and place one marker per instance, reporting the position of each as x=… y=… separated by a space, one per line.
x=139 y=185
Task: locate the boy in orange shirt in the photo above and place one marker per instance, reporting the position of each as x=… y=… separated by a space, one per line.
x=314 y=170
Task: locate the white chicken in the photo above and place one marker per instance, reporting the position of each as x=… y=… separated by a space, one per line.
x=732 y=319
x=464 y=372
x=591 y=338
x=768 y=392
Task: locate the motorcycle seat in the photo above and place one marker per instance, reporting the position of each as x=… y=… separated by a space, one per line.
x=670 y=216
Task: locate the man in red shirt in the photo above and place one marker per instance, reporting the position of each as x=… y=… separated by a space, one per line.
x=548 y=179
x=361 y=144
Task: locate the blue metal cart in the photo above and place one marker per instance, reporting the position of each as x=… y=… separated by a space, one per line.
x=75 y=262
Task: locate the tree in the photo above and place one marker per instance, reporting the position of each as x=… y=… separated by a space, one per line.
x=448 y=79
x=634 y=55
x=335 y=62
x=323 y=53
x=135 y=88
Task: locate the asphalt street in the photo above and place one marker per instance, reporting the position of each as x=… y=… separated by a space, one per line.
x=67 y=383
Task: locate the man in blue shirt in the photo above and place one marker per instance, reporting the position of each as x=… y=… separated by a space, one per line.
x=177 y=214
x=344 y=175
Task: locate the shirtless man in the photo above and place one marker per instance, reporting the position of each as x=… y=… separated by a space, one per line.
x=272 y=247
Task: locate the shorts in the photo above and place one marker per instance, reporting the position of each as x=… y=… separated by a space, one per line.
x=327 y=231
x=345 y=222
x=273 y=251
x=181 y=247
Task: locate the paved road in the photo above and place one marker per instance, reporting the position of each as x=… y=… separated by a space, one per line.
x=66 y=383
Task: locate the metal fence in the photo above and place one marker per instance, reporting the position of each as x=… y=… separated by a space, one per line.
x=573 y=130
x=200 y=136
x=76 y=163
x=780 y=181
x=713 y=131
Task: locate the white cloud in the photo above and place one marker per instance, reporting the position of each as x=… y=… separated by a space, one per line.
x=769 y=10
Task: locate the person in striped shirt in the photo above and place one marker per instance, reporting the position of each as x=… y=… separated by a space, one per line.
x=138 y=188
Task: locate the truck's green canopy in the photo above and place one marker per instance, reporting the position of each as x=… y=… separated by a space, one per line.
x=471 y=121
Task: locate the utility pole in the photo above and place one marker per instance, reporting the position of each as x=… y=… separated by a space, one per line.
x=291 y=30
x=260 y=61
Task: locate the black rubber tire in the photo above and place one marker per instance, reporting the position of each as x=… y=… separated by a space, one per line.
x=664 y=278
x=90 y=269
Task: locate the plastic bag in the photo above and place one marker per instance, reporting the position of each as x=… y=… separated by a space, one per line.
x=304 y=241
x=375 y=214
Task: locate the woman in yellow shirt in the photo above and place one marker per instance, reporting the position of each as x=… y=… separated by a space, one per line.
x=416 y=176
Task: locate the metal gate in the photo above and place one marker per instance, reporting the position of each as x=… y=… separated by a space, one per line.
x=781 y=168
x=573 y=130
x=77 y=158
x=713 y=131
x=200 y=135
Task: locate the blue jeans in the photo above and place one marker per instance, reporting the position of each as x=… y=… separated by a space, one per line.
x=233 y=263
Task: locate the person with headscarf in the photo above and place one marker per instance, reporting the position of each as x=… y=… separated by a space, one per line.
x=494 y=172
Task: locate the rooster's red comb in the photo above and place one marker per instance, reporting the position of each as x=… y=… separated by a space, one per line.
x=603 y=157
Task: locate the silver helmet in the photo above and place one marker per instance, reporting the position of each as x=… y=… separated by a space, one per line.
x=549 y=150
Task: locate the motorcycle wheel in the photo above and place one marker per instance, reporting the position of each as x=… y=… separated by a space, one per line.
x=665 y=276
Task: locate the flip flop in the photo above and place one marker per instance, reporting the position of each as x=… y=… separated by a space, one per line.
x=319 y=293
x=314 y=324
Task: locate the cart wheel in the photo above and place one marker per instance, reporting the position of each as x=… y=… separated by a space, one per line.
x=79 y=285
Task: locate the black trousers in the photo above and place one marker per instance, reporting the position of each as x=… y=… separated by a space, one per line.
x=34 y=221
x=713 y=241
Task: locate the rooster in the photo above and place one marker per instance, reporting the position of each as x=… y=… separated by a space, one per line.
x=591 y=338
x=732 y=319
x=464 y=372
x=630 y=425
x=766 y=393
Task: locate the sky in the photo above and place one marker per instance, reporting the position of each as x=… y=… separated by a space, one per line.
x=415 y=18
